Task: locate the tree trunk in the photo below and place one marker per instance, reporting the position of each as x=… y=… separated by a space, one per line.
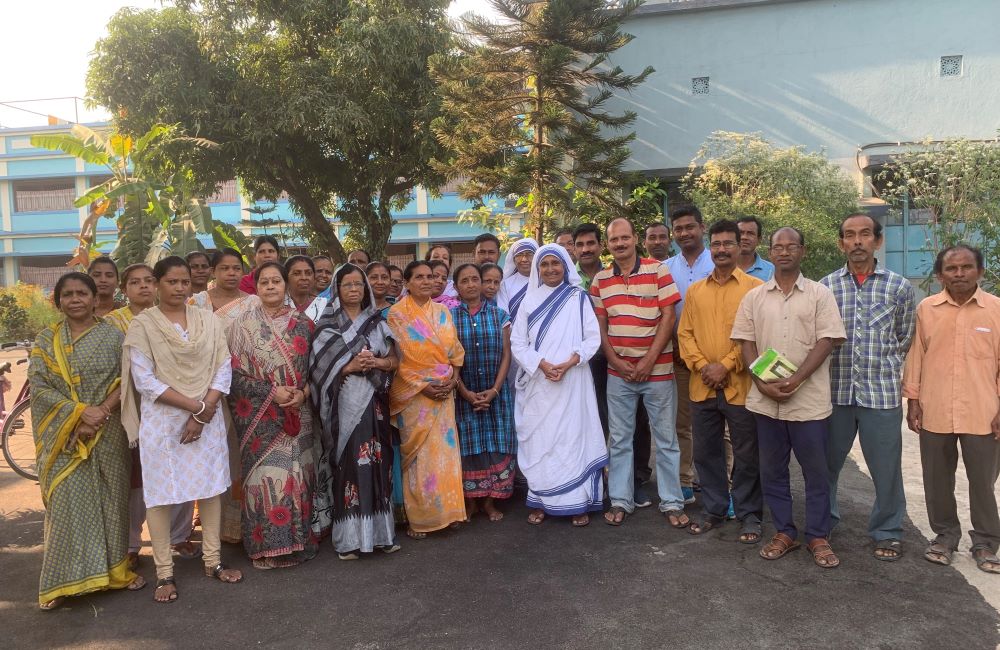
x=538 y=206
x=312 y=211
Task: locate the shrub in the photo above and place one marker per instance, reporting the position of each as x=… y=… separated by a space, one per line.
x=33 y=304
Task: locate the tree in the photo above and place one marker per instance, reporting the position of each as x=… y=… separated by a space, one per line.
x=524 y=105
x=328 y=102
x=958 y=183
x=159 y=210
x=735 y=174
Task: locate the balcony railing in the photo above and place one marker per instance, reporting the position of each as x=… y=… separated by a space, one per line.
x=44 y=200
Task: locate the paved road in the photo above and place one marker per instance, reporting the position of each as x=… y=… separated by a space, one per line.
x=508 y=584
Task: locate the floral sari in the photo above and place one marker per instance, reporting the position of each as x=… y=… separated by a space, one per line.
x=85 y=486
x=432 y=465
x=276 y=444
x=231 y=508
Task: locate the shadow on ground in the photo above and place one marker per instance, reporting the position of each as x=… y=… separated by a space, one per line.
x=508 y=584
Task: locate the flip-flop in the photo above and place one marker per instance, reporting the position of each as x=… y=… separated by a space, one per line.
x=888 y=545
x=580 y=523
x=137 y=584
x=536 y=518
x=677 y=514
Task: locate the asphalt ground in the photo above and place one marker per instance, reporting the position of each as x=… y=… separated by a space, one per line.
x=509 y=584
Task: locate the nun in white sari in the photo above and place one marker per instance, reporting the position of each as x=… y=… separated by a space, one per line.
x=516 y=268
x=560 y=442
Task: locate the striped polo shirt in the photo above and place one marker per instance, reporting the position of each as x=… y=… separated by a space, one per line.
x=632 y=305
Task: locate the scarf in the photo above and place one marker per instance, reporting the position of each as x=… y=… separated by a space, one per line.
x=186 y=366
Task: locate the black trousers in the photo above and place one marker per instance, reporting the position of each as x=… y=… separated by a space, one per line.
x=708 y=421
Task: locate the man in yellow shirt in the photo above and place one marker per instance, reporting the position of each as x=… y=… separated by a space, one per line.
x=718 y=388
x=951 y=381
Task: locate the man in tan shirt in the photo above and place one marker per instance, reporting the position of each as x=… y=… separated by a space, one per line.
x=800 y=319
x=952 y=384
x=718 y=388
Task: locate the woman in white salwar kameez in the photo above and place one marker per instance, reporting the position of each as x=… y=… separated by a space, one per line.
x=176 y=357
x=560 y=442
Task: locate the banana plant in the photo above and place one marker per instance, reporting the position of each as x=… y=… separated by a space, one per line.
x=156 y=217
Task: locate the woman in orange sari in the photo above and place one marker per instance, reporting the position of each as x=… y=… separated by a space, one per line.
x=422 y=398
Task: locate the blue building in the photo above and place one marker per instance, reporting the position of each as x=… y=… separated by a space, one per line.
x=39 y=225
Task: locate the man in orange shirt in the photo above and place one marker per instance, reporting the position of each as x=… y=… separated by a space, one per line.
x=952 y=385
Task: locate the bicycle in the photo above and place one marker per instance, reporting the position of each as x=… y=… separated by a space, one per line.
x=17 y=435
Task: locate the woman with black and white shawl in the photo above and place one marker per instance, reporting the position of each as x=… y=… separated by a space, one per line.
x=351 y=363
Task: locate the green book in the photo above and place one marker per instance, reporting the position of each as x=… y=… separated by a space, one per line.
x=772 y=365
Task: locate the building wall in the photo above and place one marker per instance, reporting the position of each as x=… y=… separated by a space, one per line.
x=45 y=239
x=830 y=74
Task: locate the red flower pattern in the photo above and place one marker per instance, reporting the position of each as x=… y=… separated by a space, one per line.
x=255 y=445
x=293 y=423
x=290 y=486
x=243 y=408
x=300 y=344
x=270 y=413
x=258 y=534
x=280 y=516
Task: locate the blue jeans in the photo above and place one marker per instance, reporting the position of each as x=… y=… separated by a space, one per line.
x=881 y=436
x=660 y=399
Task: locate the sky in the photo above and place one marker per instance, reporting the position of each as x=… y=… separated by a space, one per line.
x=46 y=46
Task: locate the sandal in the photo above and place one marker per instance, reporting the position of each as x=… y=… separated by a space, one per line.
x=751 y=532
x=938 y=554
x=536 y=517
x=138 y=583
x=165 y=582
x=617 y=516
x=702 y=527
x=217 y=573
x=390 y=548
x=823 y=554
x=892 y=550
x=779 y=546
x=579 y=521
x=674 y=519
x=352 y=555
x=412 y=534
x=984 y=557
x=55 y=603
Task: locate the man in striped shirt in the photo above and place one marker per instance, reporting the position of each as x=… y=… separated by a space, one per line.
x=634 y=300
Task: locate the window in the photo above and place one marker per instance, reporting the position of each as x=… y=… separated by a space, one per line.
x=951 y=66
x=226 y=193
x=44 y=195
x=699 y=85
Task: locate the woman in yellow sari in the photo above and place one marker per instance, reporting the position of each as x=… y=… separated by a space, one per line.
x=83 y=456
x=422 y=398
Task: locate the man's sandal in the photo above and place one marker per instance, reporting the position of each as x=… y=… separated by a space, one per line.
x=751 y=533
x=617 y=516
x=892 y=550
x=778 y=547
x=938 y=554
x=165 y=582
x=217 y=573
x=984 y=557
x=702 y=527
x=823 y=554
x=677 y=519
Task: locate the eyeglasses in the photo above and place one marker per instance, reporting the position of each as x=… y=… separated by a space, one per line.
x=790 y=248
x=717 y=245
x=353 y=285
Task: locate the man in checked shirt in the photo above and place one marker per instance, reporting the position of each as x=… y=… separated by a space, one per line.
x=877 y=307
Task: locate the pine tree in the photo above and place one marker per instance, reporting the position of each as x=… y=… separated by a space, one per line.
x=524 y=105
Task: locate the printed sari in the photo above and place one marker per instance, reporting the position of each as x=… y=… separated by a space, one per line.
x=354 y=414
x=432 y=465
x=85 y=485
x=276 y=444
x=231 y=508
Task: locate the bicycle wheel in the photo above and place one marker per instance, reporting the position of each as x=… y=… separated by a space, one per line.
x=19 y=441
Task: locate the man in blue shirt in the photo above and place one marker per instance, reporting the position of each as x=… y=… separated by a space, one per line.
x=750 y=261
x=877 y=307
x=692 y=264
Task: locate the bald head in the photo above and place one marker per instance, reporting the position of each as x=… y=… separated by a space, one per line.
x=620 y=223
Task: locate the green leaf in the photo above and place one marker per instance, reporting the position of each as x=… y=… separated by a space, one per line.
x=69 y=144
x=201 y=215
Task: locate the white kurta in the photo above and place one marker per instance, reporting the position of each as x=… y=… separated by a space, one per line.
x=560 y=441
x=172 y=472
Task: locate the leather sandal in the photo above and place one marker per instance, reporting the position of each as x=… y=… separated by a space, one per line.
x=938 y=553
x=166 y=582
x=823 y=554
x=216 y=572
x=778 y=547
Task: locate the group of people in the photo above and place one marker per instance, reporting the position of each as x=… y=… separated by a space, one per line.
x=302 y=401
